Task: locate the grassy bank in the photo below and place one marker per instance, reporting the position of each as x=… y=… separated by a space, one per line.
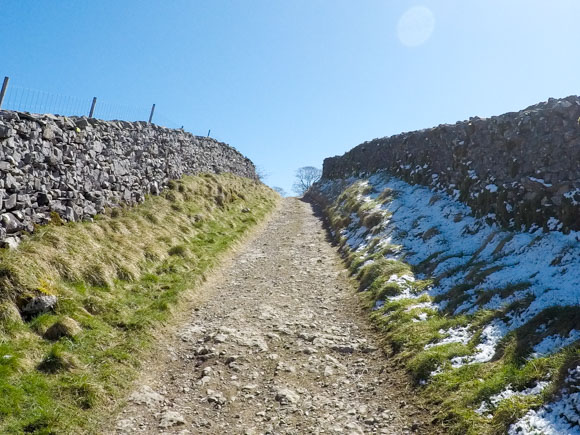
x=418 y=313
x=116 y=280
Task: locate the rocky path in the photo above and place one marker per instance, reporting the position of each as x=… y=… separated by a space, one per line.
x=278 y=345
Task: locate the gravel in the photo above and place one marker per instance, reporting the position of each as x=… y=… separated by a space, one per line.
x=278 y=344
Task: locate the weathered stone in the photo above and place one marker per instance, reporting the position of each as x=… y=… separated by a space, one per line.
x=97 y=147
x=11 y=183
x=146 y=396
x=8 y=115
x=48 y=133
x=170 y=418
x=39 y=305
x=11 y=202
x=10 y=223
x=24 y=199
x=89 y=211
x=286 y=396
x=216 y=397
x=70 y=214
x=11 y=242
x=41 y=218
x=82 y=123
x=6 y=131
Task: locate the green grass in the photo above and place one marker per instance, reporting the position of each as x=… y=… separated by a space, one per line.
x=455 y=393
x=119 y=277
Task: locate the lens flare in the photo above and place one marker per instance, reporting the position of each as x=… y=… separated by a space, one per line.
x=415 y=26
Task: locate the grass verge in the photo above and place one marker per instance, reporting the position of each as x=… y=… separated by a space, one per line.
x=116 y=280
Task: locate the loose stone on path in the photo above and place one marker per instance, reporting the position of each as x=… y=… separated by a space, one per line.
x=277 y=344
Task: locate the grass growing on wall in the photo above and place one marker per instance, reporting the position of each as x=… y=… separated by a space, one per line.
x=116 y=280
x=454 y=393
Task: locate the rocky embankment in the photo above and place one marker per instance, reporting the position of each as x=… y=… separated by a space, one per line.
x=76 y=167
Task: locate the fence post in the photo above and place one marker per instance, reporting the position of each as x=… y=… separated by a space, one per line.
x=93 y=107
x=3 y=91
x=151 y=115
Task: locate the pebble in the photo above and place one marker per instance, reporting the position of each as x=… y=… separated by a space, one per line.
x=170 y=418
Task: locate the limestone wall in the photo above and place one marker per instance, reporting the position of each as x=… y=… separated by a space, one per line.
x=518 y=168
x=78 y=166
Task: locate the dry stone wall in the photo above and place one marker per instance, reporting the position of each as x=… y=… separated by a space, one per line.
x=519 y=168
x=77 y=166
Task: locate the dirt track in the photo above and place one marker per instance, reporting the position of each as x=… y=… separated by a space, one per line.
x=278 y=345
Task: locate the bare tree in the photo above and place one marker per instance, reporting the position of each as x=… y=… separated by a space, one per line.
x=262 y=173
x=280 y=191
x=306 y=177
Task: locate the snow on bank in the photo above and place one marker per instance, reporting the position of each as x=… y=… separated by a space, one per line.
x=552 y=343
x=460 y=334
x=544 y=265
x=508 y=393
x=556 y=418
x=521 y=273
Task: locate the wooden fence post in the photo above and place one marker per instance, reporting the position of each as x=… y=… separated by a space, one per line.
x=92 y=111
x=151 y=115
x=3 y=91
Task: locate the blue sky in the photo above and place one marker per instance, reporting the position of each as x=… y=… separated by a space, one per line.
x=289 y=83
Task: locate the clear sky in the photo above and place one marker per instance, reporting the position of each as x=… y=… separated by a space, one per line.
x=289 y=83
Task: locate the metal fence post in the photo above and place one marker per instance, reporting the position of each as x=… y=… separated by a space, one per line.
x=151 y=115
x=3 y=91
x=93 y=107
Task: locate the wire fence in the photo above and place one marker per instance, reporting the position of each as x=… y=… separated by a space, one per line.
x=22 y=99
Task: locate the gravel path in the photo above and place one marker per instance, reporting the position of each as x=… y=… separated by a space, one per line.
x=278 y=345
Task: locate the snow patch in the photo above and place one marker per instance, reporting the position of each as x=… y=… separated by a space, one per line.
x=558 y=417
x=460 y=334
x=490 y=404
x=552 y=343
x=421 y=317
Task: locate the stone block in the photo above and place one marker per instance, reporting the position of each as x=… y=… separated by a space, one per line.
x=6 y=131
